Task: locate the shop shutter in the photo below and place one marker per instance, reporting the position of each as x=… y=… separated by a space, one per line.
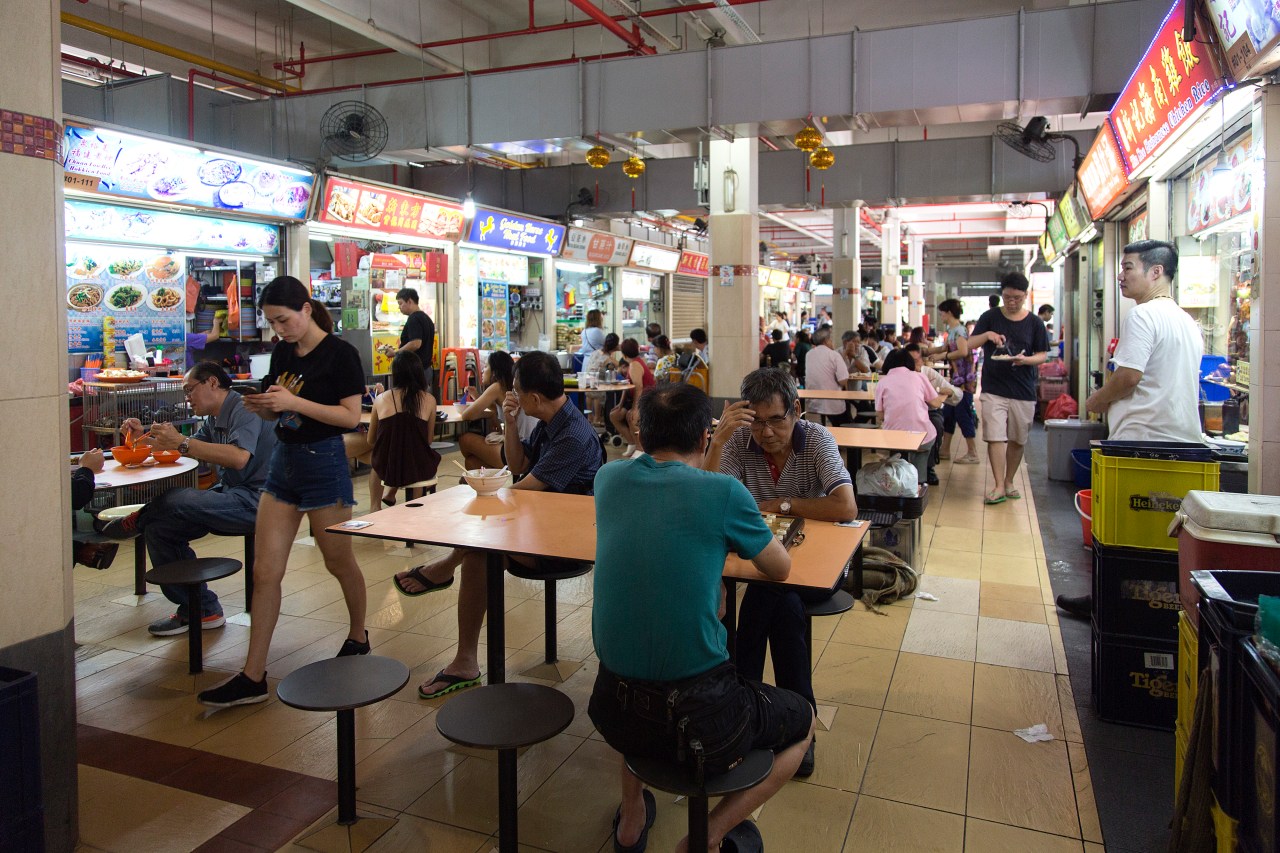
x=688 y=305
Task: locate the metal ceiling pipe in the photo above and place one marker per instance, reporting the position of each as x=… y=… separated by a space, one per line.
x=594 y=12
x=633 y=14
x=97 y=65
x=799 y=229
x=176 y=53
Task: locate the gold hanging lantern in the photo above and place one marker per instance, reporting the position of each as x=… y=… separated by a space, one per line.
x=808 y=139
x=822 y=159
x=597 y=157
x=633 y=167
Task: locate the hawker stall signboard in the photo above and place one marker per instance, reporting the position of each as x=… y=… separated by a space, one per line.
x=694 y=263
x=649 y=256
x=108 y=162
x=1174 y=81
x=499 y=230
x=1249 y=32
x=1213 y=199
x=86 y=220
x=113 y=293
x=596 y=247
x=383 y=209
x=1102 y=176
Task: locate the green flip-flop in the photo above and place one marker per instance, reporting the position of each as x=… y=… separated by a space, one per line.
x=451 y=682
x=990 y=501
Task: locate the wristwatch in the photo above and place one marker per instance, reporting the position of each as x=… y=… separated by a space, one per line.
x=785 y=506
x=182 y=448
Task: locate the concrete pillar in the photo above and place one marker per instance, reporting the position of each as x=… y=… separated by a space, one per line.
x=1264 y=316
x=734 y=229
x=890 y=263
x=846 y=270
x=915 y=284
x=36 y=630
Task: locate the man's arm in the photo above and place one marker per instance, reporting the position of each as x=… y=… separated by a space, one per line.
x=837 y=506
x=1119 y=385
x=773 y=561
x=166 y=437
x=412 y=346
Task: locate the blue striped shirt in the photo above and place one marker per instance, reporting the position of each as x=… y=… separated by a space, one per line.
x=564 y=452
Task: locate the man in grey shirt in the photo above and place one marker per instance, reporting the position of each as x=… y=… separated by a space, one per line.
x=237 y=444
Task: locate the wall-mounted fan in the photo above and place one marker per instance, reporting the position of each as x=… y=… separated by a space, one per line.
x=1036 y=140
x=354 y=131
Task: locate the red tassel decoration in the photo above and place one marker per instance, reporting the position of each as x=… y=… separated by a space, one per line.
x=823 y=203
x=633 y=198
x=806 y=180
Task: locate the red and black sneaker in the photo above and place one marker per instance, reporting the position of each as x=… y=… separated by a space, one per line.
x=123 y=528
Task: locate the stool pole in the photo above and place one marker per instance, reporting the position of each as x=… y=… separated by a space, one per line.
x=549 y=616
x=139 y=565
x=808 y=638
x=249 y=545
x=195 y=629
x=347 y=766
x=494 y=571
x=698 y=823
x=508 y=829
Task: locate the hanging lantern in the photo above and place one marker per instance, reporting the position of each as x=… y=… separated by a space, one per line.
x=597 y=157
x=633 y=167
x=808 y=139
x=822 y=159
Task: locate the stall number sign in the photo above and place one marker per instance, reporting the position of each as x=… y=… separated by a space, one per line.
x=506 y=231
x=1173 y=82
x=596 y=247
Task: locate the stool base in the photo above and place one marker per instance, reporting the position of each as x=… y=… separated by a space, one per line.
x=356 y=838
x=556 y=672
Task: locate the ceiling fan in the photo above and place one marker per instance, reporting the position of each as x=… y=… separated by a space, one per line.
x=1036 y=140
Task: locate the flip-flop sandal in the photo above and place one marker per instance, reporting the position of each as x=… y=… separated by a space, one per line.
x=1013 y=494
x=990 y=501
x=743 y=838
x=650 y=815
x=451 y=682
x=418 y=575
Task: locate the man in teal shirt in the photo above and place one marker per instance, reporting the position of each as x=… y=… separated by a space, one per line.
x=656 y=621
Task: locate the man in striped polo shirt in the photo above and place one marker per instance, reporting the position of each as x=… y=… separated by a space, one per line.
x=791 y=467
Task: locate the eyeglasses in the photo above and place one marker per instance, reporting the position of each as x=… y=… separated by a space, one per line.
x=776 y=424
x=187 y=390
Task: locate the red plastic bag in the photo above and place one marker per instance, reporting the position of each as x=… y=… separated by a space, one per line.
x=1062 y=406
x=1053 y=369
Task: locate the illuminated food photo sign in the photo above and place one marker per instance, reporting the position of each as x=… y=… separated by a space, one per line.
x=499 y=230
x=360 y=205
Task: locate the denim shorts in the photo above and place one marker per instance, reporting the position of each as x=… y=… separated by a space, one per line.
x=310 y=476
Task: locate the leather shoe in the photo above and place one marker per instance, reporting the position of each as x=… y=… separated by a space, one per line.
x=1080 y=606
x=805 y=770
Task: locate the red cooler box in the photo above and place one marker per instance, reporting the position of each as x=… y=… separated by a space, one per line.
x=1222 y=530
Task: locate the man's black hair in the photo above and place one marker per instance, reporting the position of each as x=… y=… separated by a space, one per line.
x=206 y=370
x=698 y=336
x=674 y=418
x=408 y=294
x=1152 y=252
x=539 y=373
x=1015 y=281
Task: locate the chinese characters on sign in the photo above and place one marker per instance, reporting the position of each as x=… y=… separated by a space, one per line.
x=1249 y=32
x=596 y=247
x=694 y=263
x=1101 y=175
x=654 y=257
x=383 y=209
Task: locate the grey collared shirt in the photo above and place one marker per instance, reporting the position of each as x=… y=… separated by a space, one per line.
x=236 y=425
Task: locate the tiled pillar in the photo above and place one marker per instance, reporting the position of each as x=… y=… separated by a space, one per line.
x=733 y=309
x=1264 y=317
x=890 y=281
x=846 y=270
x=36 y=632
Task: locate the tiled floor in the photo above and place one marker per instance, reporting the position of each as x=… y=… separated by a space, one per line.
x=915 y=753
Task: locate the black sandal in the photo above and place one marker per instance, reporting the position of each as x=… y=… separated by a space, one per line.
x=650 y=815
x=427 y=584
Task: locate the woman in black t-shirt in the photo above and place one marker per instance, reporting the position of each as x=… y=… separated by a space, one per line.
x=313 y=394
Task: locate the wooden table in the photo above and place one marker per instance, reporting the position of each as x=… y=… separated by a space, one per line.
x=547 y=524
x=864 y=377
x=858 y=440
x=848 y=396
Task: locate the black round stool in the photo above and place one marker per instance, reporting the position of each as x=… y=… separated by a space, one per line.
x=192 y=573
x=548 y=670
x=342 y=685
x=683 y=780
x=833 y=606
x=505 y=717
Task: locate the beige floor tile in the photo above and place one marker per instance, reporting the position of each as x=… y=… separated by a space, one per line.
x=805 y=817
x=934 y=687
x=1023 y=784
x=1066 y=701
x=94 y=658
x=403 y=769
x=948 y=635
x=1018 y=644
x=854 y=675
x=861 y=627
x=1023 y=593
x=919 y=761
x=573 y=810
x=1094 y=847
x=1006 y=523
x=316 y=753
x=842 y=751
x=122 y=814
x=261 y=735
x=1090 y=826
x=958 y=538
x=985 y=837
x=1059 y=653
x=885 y=826
x=1008 y=699
x=970 y=519
x=1010 y=544
x=136 y=708
x=953 y=564
x=1017 y=611
x=414 y=835
x=1002 y=568
x=955 y=595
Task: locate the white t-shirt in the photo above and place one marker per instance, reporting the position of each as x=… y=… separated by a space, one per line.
x=825 y=370
x=1161 y=340
x=781 y=325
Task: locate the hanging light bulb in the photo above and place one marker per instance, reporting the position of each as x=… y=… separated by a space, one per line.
x=822 y=159
x=597 y=157
x=469 y=208
x=808 y=139
x=633 y=167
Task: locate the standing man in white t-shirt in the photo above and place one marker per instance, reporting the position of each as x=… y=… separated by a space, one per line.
x=1153 y=393
x=826 y=370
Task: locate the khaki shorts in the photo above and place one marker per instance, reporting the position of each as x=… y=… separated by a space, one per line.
x=1006 y=420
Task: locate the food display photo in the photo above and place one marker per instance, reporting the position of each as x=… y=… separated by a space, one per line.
x=124 y=291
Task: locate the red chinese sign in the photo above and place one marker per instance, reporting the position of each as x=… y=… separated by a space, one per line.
x=388 y=211
x=694 y=263
x=1101 y=176
x=1172 y=83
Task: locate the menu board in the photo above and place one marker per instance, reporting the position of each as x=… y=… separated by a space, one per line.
x=596 y=247
x=121 y=164
x=1102 y=177
x=383 y=209
x=694 y=263
x=1072 y=219
x=1058 y=232
x=1249 y=32
x=508 y=269
x=500 y=230
x=86 y=220
x=655 y=257
x=493 y=316
x=1212 y=199
x=121 y=292
x=1049 y=253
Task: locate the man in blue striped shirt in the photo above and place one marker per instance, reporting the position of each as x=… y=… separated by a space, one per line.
x=791 y=467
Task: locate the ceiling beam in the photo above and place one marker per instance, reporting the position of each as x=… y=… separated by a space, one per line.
x=813 y=235
x=371 y=31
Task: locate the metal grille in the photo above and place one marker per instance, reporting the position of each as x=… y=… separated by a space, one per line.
x=107 y=405
x=143 y=492
x=688 y=305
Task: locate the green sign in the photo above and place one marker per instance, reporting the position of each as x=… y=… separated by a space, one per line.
x=1072 y=219
x=1058 y=232
x=907 y=272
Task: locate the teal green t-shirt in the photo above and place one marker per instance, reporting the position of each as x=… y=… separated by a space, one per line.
x=663 y=531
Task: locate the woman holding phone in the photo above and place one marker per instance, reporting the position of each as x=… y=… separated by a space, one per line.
x=313 y=391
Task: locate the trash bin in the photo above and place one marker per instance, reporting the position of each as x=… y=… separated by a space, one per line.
x=1065 y=435
x=21 y=803
x=1224 y=531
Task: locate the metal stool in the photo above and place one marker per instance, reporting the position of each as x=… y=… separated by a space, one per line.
x=139 y=547
x=833 y=606
x=682 y=780
x=506 y=717
x=342 y=685
x=192 y=573
x=250 y=542
x=549 y=669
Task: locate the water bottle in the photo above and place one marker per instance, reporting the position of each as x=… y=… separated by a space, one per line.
x=1230 y=416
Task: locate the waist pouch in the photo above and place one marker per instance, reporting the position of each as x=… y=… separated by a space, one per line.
x=702 y=722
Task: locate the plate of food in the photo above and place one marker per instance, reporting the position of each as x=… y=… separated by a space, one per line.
x=266 y=242
x=500 y=327
x=169 y=188
x=266 y=181
x=486 y=307
x=118 y=374
x=1242 y=191
x=125 y=297
x=125 y=267
x=140 y=168
x=164 y=298
x=215 y=173
x=292 y=199
x=1003 y=356
x=163 y=268
x=371 y=207
x=84 y=267
x=342 y=205
x=486 y=328
x=235 y=195
x=85 y=297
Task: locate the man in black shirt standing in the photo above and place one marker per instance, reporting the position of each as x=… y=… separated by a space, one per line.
x=1013 y=342
x=419 y=334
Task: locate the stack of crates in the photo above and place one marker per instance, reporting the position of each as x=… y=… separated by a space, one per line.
x=902 y=538
x=1136 y=607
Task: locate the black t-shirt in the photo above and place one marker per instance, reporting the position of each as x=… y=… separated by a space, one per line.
x=1027 y=336
x=420 y=327
x=776 y=354
x=329 y=373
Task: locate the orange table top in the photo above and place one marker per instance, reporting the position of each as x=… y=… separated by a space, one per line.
x=862 y=396
x=816 y=562
x=877 y=439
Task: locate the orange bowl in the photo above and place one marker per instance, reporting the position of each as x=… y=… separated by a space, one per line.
x=243 y=376
x=166 y=457
x=130 y=455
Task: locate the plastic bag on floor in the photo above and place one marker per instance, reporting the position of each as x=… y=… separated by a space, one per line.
x=894 y=477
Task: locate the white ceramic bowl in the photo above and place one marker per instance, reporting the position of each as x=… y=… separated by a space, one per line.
x=487 y=481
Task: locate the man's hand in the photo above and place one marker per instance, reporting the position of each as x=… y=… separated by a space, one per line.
x=510 y=407
x=93 y=460
x=165 y=436
x=774 y=506
x=1097 y=404
x=735 y=416
x=131 y=428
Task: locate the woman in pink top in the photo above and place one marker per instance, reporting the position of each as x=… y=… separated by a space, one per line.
x=626 y=413
x=903 y=399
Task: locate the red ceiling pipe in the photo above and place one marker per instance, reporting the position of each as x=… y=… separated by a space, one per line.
x=632 y=39
x=531 y=25
x=98 y=65
x=192 y=74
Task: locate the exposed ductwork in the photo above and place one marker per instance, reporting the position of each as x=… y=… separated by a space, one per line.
x=371 y=31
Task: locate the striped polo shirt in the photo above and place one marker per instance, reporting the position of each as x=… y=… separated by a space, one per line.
x=814 y=470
